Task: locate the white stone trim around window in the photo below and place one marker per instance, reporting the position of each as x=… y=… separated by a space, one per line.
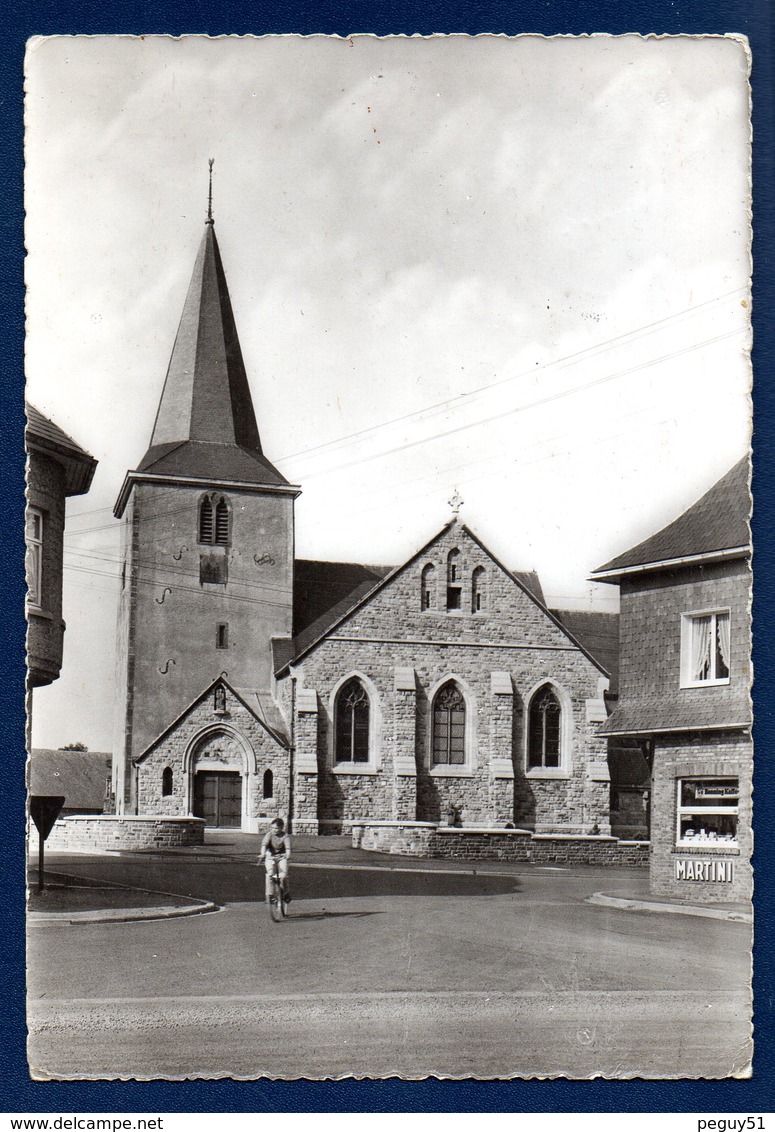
x=459 y=770
x=565 y=768
x=714 y=664
x=374 y=763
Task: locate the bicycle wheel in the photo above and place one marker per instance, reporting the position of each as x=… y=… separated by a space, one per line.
x=274 y=903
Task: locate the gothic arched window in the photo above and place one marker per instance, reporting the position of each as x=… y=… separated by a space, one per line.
x=427 y=586
x=449 y=726
x=214 y=521
x=351 y=725
x=543 y=729
x=477 y=590
x=268 y=784
x=166 y=781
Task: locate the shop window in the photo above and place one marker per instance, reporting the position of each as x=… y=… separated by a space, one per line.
x=166 y=781
x=427 y=585
x=705 y=649
x=477 y=590
x=34 y=558
x=544 y=729
x=351 y=723
x=268 y=784
x=454 y=591
x=707 y=811
x=449 y=726
x=214 y=521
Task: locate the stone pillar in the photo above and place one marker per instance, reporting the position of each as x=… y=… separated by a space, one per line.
x=597 y=782
x=404 y=769
x=501 y=769
x=305 y=762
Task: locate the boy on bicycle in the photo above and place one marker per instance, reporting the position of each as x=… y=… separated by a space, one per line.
x=275 y=852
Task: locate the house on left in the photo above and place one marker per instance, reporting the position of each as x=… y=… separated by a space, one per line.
x=57 y=468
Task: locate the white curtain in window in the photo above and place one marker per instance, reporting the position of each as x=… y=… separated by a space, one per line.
x=700 y=647
x=722 y=621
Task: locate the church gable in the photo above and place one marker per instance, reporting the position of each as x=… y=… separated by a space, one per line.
x=219 y=709
x=453 y=589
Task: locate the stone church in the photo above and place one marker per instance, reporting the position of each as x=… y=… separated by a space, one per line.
x=251 y=684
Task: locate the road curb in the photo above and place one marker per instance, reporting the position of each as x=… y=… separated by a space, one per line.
x=121 y=916
x=634 y=905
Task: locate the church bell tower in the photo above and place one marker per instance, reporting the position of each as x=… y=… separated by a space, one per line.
x=207 y=533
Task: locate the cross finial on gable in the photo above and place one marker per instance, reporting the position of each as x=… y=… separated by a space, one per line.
x=211 y=162
x=455 y=502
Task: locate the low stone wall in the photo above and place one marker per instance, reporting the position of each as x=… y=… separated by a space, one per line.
x=426 y=839
x=88 y=833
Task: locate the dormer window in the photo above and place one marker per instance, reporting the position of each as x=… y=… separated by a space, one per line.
x=214 y=521
x=454 y=589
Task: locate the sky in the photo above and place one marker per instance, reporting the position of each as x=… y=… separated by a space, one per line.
x=515 y=267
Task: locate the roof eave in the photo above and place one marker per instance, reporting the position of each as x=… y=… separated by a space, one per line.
x=662 y=730
x=707 y=558
x=79 y=466
x=132 y=478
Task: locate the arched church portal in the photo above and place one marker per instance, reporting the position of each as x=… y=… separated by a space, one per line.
x=218 y=778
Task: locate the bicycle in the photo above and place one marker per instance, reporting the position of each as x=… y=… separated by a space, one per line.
x=275 y=899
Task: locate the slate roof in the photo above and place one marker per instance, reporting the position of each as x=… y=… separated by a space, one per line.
x=598 y=633
x=676 y=711
x=206 y=426
x=717 y=522
x=42 y=435
x=78 y=775
x=531 y=582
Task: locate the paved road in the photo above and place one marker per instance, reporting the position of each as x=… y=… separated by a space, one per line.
x=380 y=972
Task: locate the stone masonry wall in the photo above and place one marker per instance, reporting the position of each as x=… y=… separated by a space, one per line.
x=511 y=636
x=712 y=755
x=245 y=744
x=428 y=840
x=100 y=833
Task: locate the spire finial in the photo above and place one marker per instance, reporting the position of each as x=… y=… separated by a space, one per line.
x=455 y=502
x=211 y=162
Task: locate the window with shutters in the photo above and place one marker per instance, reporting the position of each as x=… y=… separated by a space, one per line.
x=351 y=723
x=449 y=726
x=214 y=521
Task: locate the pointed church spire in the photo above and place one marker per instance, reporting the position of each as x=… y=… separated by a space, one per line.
x=206 y=425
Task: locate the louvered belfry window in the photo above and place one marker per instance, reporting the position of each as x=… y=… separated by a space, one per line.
x=449 y=727
x=221 y=523
x=214 y=521
x=352 y=723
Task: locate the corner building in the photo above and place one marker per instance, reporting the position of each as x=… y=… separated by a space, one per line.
x=253 y=684
x=685 y=679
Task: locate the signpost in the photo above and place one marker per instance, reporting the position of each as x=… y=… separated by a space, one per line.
x=44 y=810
